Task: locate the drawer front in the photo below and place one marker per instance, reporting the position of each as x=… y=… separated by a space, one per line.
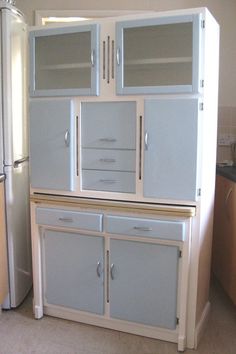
x=123 y=182
x=169 y=230
x=109 y=160
x=102 y=125
x=72 y=219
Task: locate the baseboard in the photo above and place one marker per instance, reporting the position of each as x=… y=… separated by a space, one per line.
x=201 y=324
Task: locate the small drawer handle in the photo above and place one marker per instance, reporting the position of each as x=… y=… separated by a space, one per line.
x=108 y=181
x=108 y=140
x=66 y=219
x=107 y=160
x=142 y=228
x=99 y=269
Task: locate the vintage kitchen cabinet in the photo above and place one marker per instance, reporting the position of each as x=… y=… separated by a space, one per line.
x=122 y=141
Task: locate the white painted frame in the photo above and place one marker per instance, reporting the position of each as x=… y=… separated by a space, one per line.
x=40 y=14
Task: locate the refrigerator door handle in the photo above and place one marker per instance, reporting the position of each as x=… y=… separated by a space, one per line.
x=20 y=161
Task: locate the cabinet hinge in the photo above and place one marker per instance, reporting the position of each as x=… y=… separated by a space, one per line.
x=180 y=254
x=203 y=24
x=201 y=83
x=177 y=321
x=199 y=191
x=201 y=106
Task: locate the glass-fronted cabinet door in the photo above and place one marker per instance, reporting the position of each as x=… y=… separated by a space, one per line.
x=64 y=61
x=158 y=55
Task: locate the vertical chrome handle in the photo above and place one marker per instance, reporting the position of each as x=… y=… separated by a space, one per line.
x=108 y=59
x=93 y=57
x=103 y=60
x=146 y=136
x=112 y=59
x=112 y=271
x=99 y=269
x=67 y=138
x=118 y=56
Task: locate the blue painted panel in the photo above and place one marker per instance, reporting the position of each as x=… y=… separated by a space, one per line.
x=170 y=159
x=52 y=162
x=70 y=271
x=144 y=284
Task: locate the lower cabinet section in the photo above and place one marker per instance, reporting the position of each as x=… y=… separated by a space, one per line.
x=126 y=272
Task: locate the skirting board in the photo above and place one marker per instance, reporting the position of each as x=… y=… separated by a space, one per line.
x=202 y=324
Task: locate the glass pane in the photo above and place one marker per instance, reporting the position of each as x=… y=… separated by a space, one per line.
x=63 y=61
x=158 y=55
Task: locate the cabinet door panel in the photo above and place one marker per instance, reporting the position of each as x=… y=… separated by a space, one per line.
x=143 y=287
x=72 y=263
x=158 y=55
x=64 y=61
x=52 y=144
x=170 y=156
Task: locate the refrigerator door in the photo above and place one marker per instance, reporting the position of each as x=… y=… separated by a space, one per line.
x=18 y=231
x=14 y=86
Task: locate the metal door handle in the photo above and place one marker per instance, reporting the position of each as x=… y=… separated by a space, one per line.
x=93 y=57
x=108 y=181
x=66 y=219
x=118 y=56
x=228 y=195
x=142 y=228
x=146 y=136
x=99 y=269
x=108 y=140
x=107 y=160
x=112 y=271
x=67 y=138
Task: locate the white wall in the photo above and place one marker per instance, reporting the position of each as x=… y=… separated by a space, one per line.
x=224 y=12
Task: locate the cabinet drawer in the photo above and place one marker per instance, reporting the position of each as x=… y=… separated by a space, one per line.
x=103 y=125
x=123 y=182
x=73 y=219
x=109 y=160
x=169 y=230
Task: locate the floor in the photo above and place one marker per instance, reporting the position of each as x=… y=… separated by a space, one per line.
x=20 y=333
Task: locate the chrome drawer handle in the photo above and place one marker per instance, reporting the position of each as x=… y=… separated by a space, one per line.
x=66 y=219
x=142 y=228
x=118 y=56
x=93 y=58
x=99 y=269
x=108 y=181
x=107 y=160
x=146 y=140
x=108 y=140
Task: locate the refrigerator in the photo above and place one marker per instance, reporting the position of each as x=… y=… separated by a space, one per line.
x=14 y=151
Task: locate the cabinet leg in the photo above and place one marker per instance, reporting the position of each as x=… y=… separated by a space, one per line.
x=181 y=343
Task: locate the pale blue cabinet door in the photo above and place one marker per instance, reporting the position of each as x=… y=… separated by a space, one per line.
x=143 y=283
x=171 y=148
x=73 y=271
x=52 y=144
x=158 y=55
x=64 y=61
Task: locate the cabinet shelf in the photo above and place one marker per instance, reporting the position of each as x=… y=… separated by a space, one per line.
x=158 y=61
x=66 y=66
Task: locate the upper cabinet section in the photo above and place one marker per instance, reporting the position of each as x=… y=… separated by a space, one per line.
x=158 y=55
x=64 y=61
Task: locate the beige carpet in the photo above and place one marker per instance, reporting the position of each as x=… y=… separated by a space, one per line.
x=20 y=333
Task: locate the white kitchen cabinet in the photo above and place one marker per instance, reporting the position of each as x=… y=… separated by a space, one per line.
x=124 y=269
x=141 y=154
x=64 y=61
